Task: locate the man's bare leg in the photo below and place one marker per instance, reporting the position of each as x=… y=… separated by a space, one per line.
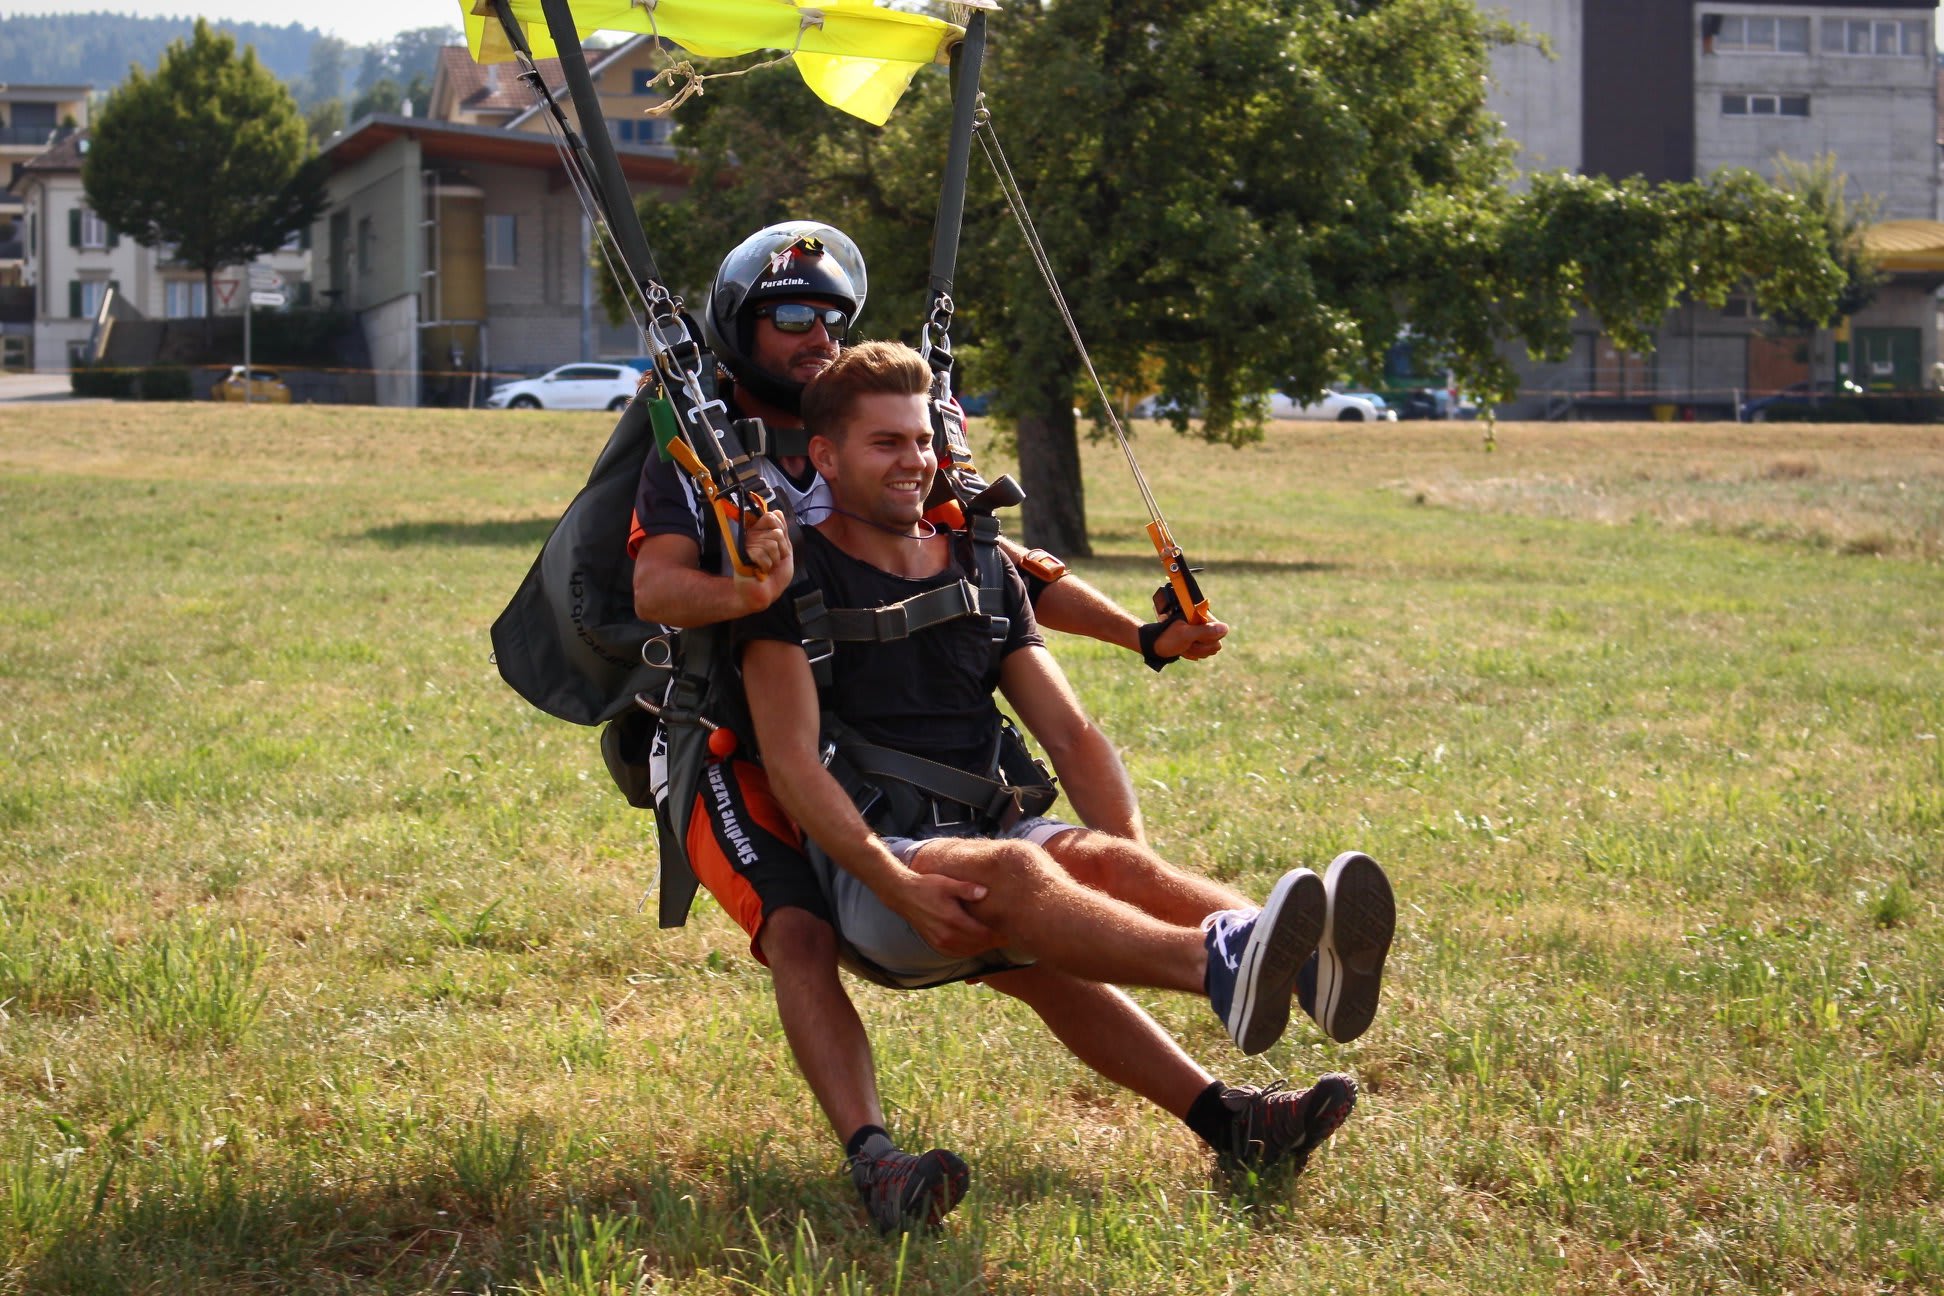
x=1135 y=875
x=1248 y=1129
x=1109 y=1032
x=1039 y=909
x=1246 y=961
x=826 y=1035
x=831 y=1048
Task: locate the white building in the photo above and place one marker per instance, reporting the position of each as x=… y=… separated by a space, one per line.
x=73 y=261
x=1676 y=89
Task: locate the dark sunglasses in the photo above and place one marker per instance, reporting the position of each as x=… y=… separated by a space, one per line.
x=795 y=317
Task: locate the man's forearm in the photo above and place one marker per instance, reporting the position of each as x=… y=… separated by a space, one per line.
x=1097 y=786
x=688 y=597
x=818 y=805
x=1072 y=606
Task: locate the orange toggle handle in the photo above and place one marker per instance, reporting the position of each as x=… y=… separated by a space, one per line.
x=1194 y=606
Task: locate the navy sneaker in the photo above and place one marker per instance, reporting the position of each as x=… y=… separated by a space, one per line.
x=902 y=1191
x=1356 y=939
x=1279 y=1126
x=1253 y=958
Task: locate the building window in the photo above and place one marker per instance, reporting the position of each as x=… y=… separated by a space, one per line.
x=1764 y=105
x=1876 y=36
x=502 y=242
x=185 y=299
x=367 y=239
x=644 y=81
x=624 y=130
x=1746 y=35
x=94 y=231
x=85 y=297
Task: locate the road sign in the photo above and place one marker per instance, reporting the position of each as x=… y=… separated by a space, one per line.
x=272 y=300
x=264 y=278
x=226 y=291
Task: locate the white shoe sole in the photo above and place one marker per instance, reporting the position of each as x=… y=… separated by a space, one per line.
x=1286 y=934
x=1356 y=939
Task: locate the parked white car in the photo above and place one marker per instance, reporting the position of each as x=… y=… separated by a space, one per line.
x=1342 y=407
x=570 y=387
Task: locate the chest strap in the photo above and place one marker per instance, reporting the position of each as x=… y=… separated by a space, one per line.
x=896 y=621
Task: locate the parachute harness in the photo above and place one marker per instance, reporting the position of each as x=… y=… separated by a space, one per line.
x=1183 y=591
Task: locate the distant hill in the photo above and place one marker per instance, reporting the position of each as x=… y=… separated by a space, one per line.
x=96 y=48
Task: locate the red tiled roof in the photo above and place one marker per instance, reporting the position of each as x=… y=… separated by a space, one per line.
x=64 y=156
x=491 y=87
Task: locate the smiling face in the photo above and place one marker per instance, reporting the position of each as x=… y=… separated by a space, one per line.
x=880 y=462
x=794 y=357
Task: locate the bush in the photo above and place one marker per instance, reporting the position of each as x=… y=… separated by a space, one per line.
x=165 y=382
x=1884 y=407
x=158 y=382
x=116 y=384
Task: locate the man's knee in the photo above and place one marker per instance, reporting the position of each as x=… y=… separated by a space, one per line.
x=798 y=941
x=1009 y=870
x=1097 y=859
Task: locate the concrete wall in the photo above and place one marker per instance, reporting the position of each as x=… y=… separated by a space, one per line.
x=1876 y=113
x=535 y=307
x=392 y=336
x=384 y=189
x=1539 y=97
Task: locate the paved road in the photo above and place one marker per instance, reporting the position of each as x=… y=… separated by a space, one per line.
x=34 y=387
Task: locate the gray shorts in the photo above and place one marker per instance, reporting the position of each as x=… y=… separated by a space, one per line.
x=889 y=943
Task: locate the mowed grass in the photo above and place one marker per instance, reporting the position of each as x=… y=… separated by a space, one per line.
x=324 y=966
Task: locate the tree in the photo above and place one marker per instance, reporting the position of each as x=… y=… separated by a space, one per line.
x=1238 y=196
x=330 y=59
x=209 y=156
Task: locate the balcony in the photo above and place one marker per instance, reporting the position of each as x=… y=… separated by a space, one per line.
x=36 y=136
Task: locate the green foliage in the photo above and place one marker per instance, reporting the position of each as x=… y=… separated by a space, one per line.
x=154 y=382
x=1841 y=220
x=1660 y=796
x=1238 y=196
x=113 y=384
x=209 y=155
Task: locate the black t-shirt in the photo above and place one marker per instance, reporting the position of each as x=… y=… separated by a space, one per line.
x=929 y=694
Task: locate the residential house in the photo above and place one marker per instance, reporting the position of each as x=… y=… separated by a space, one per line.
x=1673 y=90
x=74 y=262
x=32 y=118
x=457 y=240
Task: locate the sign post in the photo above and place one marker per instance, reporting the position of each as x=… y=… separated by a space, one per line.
x=265 y=288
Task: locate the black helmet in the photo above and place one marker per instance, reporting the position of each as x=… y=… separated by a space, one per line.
x=791 y=260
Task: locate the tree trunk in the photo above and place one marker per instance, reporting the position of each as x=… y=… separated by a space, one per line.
x=209 y=311
x=1055 y=511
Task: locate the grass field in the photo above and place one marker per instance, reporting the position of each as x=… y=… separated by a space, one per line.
x=324 y=967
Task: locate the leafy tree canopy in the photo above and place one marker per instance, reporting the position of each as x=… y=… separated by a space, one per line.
x=1238 y=196
x=209 y=155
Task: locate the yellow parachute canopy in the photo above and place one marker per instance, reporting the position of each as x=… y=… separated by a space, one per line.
x=856 y=56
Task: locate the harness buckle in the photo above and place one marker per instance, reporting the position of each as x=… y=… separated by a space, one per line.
x=963 y=814
x=818 y=651
x=893 y=622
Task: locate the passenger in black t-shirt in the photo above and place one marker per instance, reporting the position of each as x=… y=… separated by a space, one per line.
x=1037 y=908
x=777 y=313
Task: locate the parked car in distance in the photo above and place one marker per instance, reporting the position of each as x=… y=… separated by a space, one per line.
x=1341 y=407
x=570 y=387
x=254 y=384
x=1797 y=396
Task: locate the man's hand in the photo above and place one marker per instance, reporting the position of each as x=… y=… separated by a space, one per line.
x=934 y=905
x=767 y=542
x=1183 y=638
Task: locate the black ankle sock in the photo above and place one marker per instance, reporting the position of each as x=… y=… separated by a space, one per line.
x=1209 y=1118
x=855 y=1143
